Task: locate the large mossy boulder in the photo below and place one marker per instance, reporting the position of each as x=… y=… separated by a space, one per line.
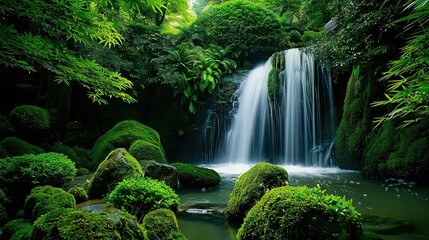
x=196 y=177
x=144 y=150
x=162 y=224
x=30 y=122
x=140 y=195
x=117 y=166
x=13 y=146
x=301 y=213
x=72 y=224
x=162 y=172
x=20 y=174
x=251 y=186
x=123 y=135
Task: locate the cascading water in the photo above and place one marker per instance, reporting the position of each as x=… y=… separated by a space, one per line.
x=293 y=124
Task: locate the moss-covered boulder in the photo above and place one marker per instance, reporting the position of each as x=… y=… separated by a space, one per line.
x=144 y=150
x=72 y=224
x=10 y=228
x=79 y=194
x=301 y=213
x=141 y=195
x=30 y=122
x=162 y=172
x=13 y=146
x=251 y=186
x=123 y=135
x=162 y=224
x=45 y=199
x=24 y=233
x=20 y=174
x=117 y=166
x=195 y=176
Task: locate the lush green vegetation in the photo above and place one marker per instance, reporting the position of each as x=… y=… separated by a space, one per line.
x=251 y=186
x=162 y=224
x=195 y=176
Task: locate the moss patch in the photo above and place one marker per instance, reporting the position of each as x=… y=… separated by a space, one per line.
x=195 y=176
x=161 y=224
x=144 y=150
x=13 y=146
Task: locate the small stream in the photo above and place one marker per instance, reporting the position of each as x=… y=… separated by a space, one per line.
x=394 y=208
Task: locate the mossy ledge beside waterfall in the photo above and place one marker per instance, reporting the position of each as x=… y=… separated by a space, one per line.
x=285 y=114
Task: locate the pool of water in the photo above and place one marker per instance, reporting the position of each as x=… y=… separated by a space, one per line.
x=393 y=208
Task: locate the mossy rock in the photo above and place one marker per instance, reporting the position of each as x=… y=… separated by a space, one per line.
x=144 y=150
x=68 y=151
x=195 y=176
x=301 y=213
x=30 y=122
x=117 y=166
x=73 y=224
x=45 y=199
x=79 y=194
x=162 y=172
x=251 y=186
x=161 y=224
x=123 y=135
x=10 y=228
x=15 y=147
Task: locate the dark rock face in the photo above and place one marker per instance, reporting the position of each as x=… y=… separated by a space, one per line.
x=162 y=172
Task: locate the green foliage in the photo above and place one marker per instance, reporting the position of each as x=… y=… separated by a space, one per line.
x=23 y=233
x=117 y=166
x=301 y=213
x=13 y=146
x=30 y=120
x=179 y=16
x=20 y=174
x=350 y=139
x=122 y=135
x=144 y=150
x=408 y=88
x=194 y=71
x=40 y=35
x=83 y=158
x=12 y=227
x=79 y=194
x=68 y=151
x=251 y=186
x=73 y=224
x=38 y=194
x=223 y=25
x=140 y=195
x=161 y=224
x=195 y=176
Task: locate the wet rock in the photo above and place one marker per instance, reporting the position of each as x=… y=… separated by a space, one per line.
x=159 y=171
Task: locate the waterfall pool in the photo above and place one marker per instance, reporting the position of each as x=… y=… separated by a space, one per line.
x=393 y=208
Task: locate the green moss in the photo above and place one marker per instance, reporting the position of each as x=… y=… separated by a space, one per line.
x=122 y=135
x=20 y=174
x=73 y=224
x=141 y=195
x=68 y=151
x=14 y=147
x=144 y=150
x=161 y=224
x=38 y=194
x=79 y=194
x=24 y=233
x=273 y=82
x=117 y=166
x=30 y=122
x=251 y=186
x=195 y=176
x=13 y=226
x=301 y=213
x=84 y=158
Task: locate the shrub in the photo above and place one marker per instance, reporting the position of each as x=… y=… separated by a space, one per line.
x=140 y=195
x=161 y=224
x=194 y=176
x=24 y=233
x=20 y=174
x=301 y=213
x=251 y=186
x=122 y=135
x=144 y=150
x=79 y=194
x=250 y=29
x=38 y=194
x=14 y=147
x=30 y=121
x=117 y=166
x=10 y=228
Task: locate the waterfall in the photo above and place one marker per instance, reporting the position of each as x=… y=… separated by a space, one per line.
x=293 y=124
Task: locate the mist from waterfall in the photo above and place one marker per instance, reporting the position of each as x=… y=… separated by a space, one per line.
x=294 y=126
